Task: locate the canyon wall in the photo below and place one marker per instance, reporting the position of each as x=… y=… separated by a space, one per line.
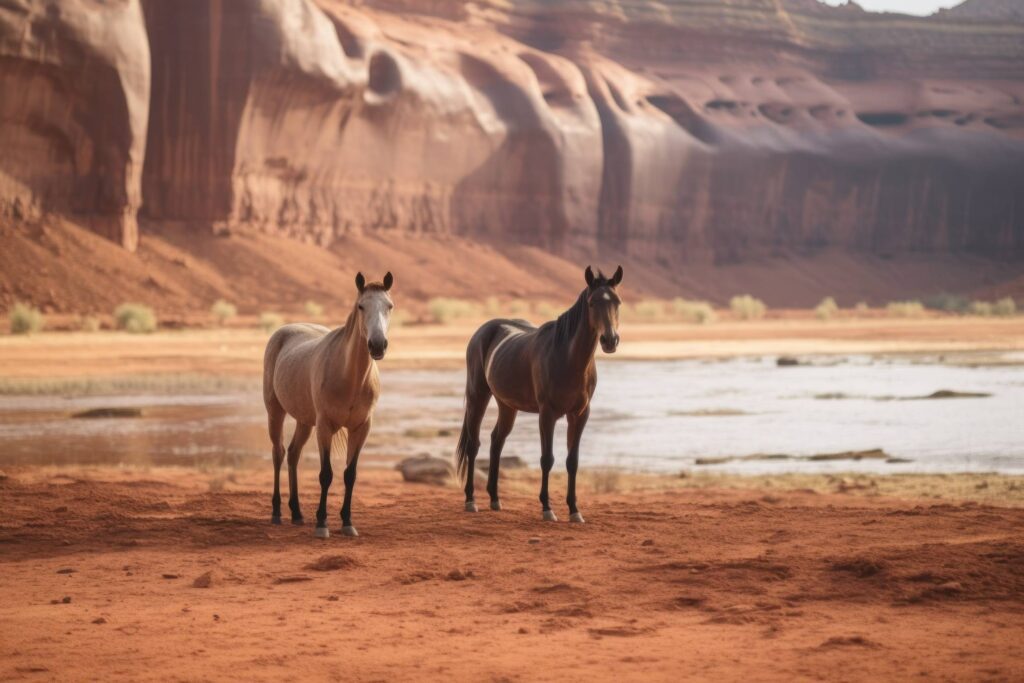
x=673 y=132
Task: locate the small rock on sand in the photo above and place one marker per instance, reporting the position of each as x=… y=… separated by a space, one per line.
x=534 y=539
x=426 y=469
x=105 y=413
x=66 y=599
x=455 y=575
x=66 y=570
x=330 y=563
x=648 y=542
x=203 y=580
x=786 y=361
x=99 y=620
x=169 y=576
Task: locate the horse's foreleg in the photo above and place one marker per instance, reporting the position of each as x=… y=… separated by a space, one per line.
x=324 y=433
x=356 y=439
x=547 y=460
x=506 y=419
x=575 y=433
x=275 y=425
x=299 y=439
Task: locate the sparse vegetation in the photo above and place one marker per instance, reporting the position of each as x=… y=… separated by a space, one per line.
x=699 y=312
x=400 y=317
x=25 y=319
x=861 y=307
x=826 y=309
x=1004 y=307
x=89 y=323
x=604 y=480
x=492 y=307
x=950 y=303
x=444 y=310
x=980 y=308
x=904 y=309
x=223 y=311
x=746 y=307
x=270 y=321
x=646 y=309
x=135 y=318
x=546 y=311
x=517 y=308
x=313 y=309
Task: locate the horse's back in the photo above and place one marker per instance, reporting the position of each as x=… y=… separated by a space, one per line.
x=296 y=339
x=498 y=357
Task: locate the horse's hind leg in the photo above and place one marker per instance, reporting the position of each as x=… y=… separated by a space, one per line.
x=506 y=419
x=469 y=441
x=299 y=439
x=324 y=434
x=275 y=425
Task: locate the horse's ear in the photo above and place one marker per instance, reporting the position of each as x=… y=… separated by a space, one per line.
x=589 y=275
x=389 y=280
x=360 y=282
x=617 y=278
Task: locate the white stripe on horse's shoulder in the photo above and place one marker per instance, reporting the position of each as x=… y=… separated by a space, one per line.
x=511 y=332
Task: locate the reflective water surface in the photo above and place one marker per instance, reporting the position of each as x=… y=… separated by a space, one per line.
x=655 y=416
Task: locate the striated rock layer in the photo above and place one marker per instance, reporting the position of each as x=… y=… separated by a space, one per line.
x=682 y=131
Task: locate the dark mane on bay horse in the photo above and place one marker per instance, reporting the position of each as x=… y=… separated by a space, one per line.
x=547 y=370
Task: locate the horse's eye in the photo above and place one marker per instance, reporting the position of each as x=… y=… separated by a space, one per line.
x=361 y=307
x=391 y=307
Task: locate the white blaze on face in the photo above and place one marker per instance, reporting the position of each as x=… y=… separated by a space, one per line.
x=376 y=313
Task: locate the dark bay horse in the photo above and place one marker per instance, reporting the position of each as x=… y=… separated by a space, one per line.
x=547 y=370
x=326 y=380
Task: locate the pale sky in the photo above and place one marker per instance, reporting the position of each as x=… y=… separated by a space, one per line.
x=920 y=7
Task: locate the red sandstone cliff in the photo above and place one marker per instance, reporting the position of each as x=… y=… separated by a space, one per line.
x=680 y=131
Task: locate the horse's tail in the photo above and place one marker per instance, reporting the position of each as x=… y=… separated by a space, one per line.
x=478 y=395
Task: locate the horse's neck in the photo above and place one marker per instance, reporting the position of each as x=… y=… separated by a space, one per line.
x=582 y=344
x=352 y=349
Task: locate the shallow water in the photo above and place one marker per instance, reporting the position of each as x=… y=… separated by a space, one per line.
x=653 y=416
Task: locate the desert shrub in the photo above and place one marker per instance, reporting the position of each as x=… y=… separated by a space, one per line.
x=313 y=309
x=861 y=307
x=25 y=319
x=270 y=321
x=1004 y=307
x=605 y=480
x=826 y=309
x=443 y=310
x=951 y=303
x=492 y=307
x=135 y=318
x=400 y=317
x=545 y=311
x=89 y=323
x=982 y=308
x=699 y=312
x=647 y=309
x=223 y=311
x=904 y=309
x=746 y=307
x=517 y=308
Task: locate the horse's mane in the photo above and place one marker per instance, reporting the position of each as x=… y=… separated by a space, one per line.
x=568 y=323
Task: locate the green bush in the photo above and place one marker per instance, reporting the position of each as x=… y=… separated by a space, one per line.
x=223 y=311
x=135 y=318
x=904 y=309
x=746 y=307
x=1004 y=307
x=826 y=309
x=25 y=319
x=981 y=308
x=313 y=309
x=444 y=310
x=951 y=303
x=270 y=321
x=699 y=312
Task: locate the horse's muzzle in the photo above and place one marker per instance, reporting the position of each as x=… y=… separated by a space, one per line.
x=377 y=348
x=609 y=342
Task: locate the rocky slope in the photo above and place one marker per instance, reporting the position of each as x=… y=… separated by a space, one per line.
x=678 y=132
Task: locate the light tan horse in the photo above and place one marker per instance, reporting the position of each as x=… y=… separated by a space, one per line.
x=326 y=380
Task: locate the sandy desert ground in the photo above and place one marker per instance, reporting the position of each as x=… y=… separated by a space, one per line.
x=111 y=573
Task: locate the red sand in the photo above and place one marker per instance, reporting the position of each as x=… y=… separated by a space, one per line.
x=682 y=584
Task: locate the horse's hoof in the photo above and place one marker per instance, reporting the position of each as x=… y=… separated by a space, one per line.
x=275 y=519
x=496 y=505
x=298 y=521
x=322 y=532
x=549 y=516
x=471 y=506
x=576 y=517
x=349 y=531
